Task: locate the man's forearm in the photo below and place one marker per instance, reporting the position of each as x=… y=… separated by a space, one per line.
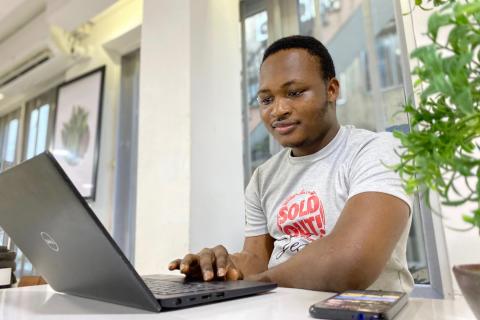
x=319 y=266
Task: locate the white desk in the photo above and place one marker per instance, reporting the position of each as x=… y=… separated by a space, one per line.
x=41 y=302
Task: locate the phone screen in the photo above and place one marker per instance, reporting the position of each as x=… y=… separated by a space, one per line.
x=360 y=303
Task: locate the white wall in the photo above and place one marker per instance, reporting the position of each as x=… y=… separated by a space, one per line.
x=217 y=213
x=113 y=23
x=163 y=184
x=461 y=247
x=190 y=185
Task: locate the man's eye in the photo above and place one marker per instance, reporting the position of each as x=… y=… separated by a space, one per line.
x=265 y=100
x=295 y=93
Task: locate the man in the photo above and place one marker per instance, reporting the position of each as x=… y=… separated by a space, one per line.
x=325 y=213
x=7 y=260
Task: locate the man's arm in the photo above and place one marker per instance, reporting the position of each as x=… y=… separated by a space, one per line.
x=211 y=263
x=254 y=257
x=354 y=254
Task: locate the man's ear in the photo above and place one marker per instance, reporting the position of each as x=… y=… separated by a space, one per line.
x=333 y=90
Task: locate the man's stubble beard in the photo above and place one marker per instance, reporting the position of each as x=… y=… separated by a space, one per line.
x=306 y=142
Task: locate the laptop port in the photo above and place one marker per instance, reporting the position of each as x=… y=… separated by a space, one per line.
x=206 y=296
x=178 y=301
x=220 y=294
x=192 y=299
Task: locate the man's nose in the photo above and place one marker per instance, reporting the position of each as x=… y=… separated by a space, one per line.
x=281 y=108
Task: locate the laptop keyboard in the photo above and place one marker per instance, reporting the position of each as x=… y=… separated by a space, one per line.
x=162 y=287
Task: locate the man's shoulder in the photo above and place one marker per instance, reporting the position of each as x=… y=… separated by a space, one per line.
x=362 y=138
x=370 y=148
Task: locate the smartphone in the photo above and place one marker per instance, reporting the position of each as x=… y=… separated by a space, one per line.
x=360 y=305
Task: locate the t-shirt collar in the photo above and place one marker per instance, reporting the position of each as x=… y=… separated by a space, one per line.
x=322 y=153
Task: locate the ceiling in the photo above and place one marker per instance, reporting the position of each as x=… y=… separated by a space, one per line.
x=14 y=14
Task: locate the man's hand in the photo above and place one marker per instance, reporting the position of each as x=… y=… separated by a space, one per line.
x=209 y=264
x=7 y=260
x=217 y=264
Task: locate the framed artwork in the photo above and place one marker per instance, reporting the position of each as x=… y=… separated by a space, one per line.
x=76 y=138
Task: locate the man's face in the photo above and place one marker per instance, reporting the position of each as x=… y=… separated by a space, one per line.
x=296 y=104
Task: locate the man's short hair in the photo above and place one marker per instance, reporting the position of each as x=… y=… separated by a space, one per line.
x=312 y=45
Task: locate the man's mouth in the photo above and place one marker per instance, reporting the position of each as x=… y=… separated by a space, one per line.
x=284 y=127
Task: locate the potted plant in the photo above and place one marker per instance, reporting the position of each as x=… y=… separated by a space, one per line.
x=442 y=150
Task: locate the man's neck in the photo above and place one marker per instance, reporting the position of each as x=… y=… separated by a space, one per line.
x=313 y=148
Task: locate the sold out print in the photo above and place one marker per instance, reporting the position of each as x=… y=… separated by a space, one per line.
x=302 y=215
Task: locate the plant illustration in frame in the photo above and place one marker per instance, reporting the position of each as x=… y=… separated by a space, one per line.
x=77 y=129
x=76 y=135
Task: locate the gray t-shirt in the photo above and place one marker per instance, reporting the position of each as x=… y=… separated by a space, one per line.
x=299 y=199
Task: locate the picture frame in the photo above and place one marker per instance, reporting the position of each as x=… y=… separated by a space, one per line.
x=77 y=126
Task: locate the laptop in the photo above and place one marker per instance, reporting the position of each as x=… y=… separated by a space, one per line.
x=56 y=229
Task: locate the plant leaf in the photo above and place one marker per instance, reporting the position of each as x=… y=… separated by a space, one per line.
x=436 y=21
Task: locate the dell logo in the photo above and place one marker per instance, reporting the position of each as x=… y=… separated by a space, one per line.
x=52 y=244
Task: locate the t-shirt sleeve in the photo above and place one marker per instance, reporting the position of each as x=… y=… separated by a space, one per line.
x=370 y=171
x=255 y=219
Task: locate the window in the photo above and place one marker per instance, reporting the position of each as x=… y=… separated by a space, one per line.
x=3 y=238
x=38 y=121
x=306 y=16
x=388 y=58
x=9 y=131
x=9 y=127
x=363 y=41
x=37 y=131
x=255 y=27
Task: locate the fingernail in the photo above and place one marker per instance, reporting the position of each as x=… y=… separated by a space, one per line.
x=207 y=275
x=233 y=274
x=221 y=272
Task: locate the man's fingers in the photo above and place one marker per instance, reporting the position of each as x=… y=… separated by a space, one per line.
x=208 y=264
x=174 y=265
x=187 y=262
x=206 y=261
x=8 y=255
x=188 y=266
x=221 y=260
x=233 y=273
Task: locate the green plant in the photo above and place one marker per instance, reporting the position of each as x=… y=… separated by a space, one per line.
x=443 y=147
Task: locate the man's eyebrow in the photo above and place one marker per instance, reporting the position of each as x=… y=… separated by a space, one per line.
x=262 y=91
x=286 y=84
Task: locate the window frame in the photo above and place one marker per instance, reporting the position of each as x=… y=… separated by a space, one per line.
x=441 y=282
x=248 y=8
